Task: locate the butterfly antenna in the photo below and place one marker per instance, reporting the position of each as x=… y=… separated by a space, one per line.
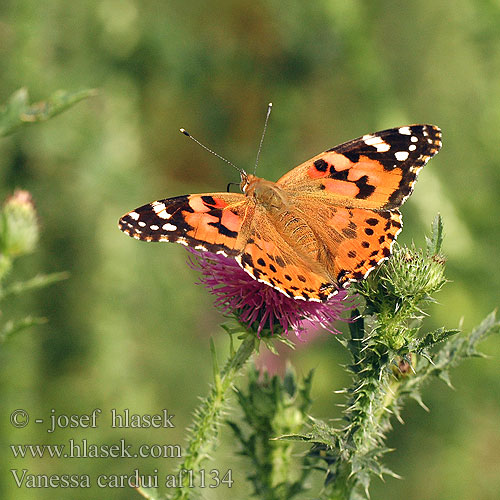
x=187 y=134
x=269 y=108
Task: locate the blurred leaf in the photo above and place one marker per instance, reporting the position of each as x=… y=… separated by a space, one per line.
x=487 y=327
x=19 y=112
x=458 y=348
x=15 y=326
x=39 y=281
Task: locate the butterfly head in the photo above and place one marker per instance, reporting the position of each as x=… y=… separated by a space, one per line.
x=246 y=181
x=251 y=185
x=264 y=193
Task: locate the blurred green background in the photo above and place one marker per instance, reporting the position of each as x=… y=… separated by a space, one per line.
x=130 y=329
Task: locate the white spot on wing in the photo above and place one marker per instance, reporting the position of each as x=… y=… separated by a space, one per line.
x=401 y=155
x=405 y=131
x=154 y=227
x=157 y=206
x=164 y=214
x=380 y=145
x=160 y=210
x=134 y=215
x=412 y=147
x=141 y=223
x=310 y=299
x=169 y=227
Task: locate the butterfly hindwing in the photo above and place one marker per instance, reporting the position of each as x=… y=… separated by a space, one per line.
x=270 y=258
x=206 y=222
x=376 y=171
x=366 y=239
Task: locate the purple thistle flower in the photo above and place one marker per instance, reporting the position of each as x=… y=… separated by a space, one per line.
x=260 y=305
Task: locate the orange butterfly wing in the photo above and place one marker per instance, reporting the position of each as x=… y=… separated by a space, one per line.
x=206 y=222
x=375 y=171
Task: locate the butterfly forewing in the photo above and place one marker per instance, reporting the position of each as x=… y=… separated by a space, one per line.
x=376 y=171
x=206 y=222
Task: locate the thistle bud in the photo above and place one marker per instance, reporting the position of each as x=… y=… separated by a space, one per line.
x=19 y=225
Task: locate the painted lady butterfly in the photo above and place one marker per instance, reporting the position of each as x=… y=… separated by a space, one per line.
x=325 y=223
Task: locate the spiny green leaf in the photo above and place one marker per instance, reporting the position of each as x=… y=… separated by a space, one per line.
x=305 y=438
x=433 y=338
x=435 y=241
x=320 y=433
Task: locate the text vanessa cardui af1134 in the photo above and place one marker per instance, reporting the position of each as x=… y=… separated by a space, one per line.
x=325 y=223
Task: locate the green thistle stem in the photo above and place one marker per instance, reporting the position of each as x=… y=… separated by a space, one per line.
x=361 y=442
x=207 y=416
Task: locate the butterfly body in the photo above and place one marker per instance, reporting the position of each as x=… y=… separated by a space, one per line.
x=325 y=223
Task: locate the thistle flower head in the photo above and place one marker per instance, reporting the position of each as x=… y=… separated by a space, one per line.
x=260 y=306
